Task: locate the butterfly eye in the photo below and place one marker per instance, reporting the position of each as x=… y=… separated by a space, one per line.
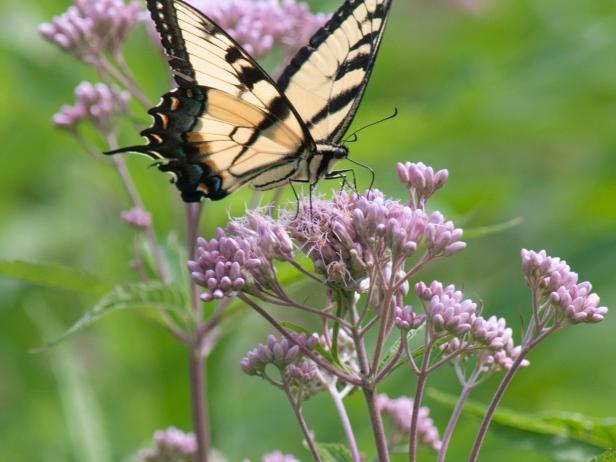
x=341 y=152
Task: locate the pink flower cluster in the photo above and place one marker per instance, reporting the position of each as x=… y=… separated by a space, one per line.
x=91 y=27
x=448 y=313
x=399 y=410
x=495 y=340
x=278 y=456
x=218 y=265
x=421 y=180
x=446 y=308
x=553 y=279
x=97 y=103
x=406 y=318
x=171 y=445
x=240 y=258
x=137 y=218
x=259 y=25
x=349 y=234
x=280 y=353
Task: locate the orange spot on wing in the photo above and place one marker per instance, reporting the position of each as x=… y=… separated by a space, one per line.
x=156 y=138
x=164 y=119
x=175 y=103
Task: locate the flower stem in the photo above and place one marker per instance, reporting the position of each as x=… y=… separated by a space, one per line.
x=376 y=424
x=125 y=81
x=455 y=415
x=502 y=387
x=199 y=404
x=419 y=390
x=393 y=361
x=197 y=363
x=384 y=314
x=302 y=423
x=487 y=418
x=346 y=423
x=310 y=354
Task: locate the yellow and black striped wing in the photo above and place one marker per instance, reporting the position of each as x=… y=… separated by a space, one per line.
x=213 y=143
x=327 y=78
x=227 y=124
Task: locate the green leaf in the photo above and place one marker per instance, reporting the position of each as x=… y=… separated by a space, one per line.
x=174 y=257
x=566 y=437
x=82 y=412
x=333 y=452
x=481 y=231
x=130 y=296
x=394 y=349
x=600 y=432
x=607 y=456
x=53 y=275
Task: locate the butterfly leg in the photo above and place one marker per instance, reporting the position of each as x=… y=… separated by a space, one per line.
x=367 y=167
x=296 y=199
x=340 y=174
x=312 y=186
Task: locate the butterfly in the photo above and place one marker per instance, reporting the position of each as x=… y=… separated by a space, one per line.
x=228 y=123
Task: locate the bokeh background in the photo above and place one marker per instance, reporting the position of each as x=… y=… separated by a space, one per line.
x=516 y=98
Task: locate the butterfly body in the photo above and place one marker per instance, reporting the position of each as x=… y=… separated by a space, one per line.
x=229 y=124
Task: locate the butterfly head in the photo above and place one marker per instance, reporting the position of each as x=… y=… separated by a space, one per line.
x=332 y=151
x=330 y=154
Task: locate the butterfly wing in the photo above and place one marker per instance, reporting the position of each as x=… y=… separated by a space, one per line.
x=327 y=78
x=227 y=124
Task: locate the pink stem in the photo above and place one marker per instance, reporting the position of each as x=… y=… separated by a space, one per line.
x=198 y=384
x=302 y=423
x=346 y=423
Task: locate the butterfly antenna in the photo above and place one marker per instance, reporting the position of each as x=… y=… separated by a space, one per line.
x=353 y=136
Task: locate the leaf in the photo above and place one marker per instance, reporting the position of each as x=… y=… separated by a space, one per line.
x=416 y=353
x=82 y=411
x=607 y=456
x=173 y=253
x=53 y=275
x=481 y=231
x=130 y=296
x=566 y=437
x=394 y=349
x=333 y=452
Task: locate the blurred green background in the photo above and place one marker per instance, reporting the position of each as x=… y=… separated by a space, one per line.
x=517 y=99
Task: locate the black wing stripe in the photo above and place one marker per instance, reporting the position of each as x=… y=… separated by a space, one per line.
x=171 y=38
x=279 y=110
x=248 y=176
x=217 y=37
x=280 y=180
x=335 y=104
x=351 y=39
x=361 y=61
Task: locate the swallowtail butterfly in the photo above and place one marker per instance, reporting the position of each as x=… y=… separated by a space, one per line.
x=229 y=123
